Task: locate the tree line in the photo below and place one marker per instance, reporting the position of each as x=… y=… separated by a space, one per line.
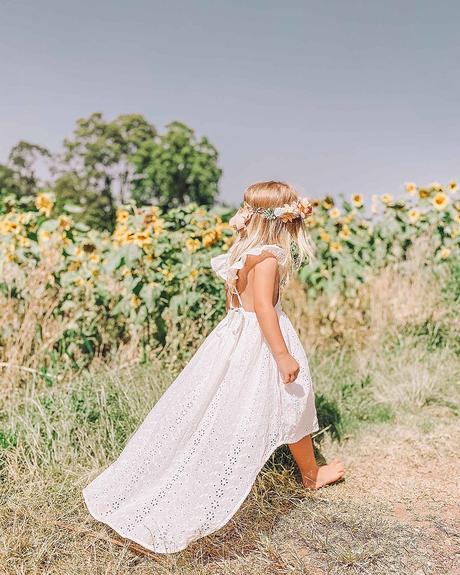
x=108 y=163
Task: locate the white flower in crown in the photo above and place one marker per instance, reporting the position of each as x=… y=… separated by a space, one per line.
x=288 y=212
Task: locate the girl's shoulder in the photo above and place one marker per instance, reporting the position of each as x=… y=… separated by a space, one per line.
x=229 y=271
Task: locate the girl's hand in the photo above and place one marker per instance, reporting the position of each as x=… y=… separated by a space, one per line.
x=288 y=366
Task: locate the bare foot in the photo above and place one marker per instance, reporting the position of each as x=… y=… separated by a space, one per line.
x=324 y=475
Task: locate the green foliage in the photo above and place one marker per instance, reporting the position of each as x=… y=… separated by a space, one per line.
x=329 y=416
x=106 y=289
x=18 y=180
x=100 y=151
x=353 y=242
x=106 y=163
x=175 y=168
x=74 y=196
x=152 y=273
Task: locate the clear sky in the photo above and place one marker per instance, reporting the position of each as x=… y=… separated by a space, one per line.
x=334 y=96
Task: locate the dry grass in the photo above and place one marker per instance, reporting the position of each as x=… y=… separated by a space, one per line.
x=30 y=330
x=396 y=388
x=393 y=515
x=397 y=298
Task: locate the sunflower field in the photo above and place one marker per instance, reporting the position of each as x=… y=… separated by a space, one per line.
x=71 y=295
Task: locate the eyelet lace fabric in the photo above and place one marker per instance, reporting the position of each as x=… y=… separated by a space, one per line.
x=189 y=466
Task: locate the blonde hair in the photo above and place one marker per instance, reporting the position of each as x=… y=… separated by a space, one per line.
x=291 y=236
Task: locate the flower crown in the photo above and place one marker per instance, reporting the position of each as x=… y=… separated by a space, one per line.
x=298 y=209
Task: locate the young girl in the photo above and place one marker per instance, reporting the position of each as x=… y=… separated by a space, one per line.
x=246 y=391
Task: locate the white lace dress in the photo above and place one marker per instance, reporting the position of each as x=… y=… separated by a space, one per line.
x=188 y=468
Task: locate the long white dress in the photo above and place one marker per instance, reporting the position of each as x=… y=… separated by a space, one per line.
x=190 y=465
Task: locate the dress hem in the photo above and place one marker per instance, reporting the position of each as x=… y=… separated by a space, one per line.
x=296 y=438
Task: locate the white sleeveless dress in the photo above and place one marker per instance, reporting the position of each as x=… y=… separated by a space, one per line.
x=188 y=468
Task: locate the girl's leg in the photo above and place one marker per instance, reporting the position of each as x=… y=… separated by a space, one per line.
x=314 y=476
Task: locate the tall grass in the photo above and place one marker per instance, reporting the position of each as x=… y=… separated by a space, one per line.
x=389 y=354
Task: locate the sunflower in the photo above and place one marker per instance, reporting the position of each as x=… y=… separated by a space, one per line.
x=344 y=233
x=209 y=239
x=411 y=188
x=9 y=227
x=386 y=199
x=453 y=186
x=444 y=253
x=334 y=213
x=423 y=193
x=324 y=235
x=227 y=243
x=149 y=219
x=44 y=204
x=192 y=244
x=142 y=239
x=135 y=301
x=122 y=215
x=121 y=234
x=74 y=266
x=440 y=201
x=65 y=223
x=158 y=227
x=194 y=274
x=357 y=200
x=435 y=187
x=219 y=229
x=167 y=274
x=413 y=215
x=336 y=247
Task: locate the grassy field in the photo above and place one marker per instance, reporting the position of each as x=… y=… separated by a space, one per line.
x=386 y=376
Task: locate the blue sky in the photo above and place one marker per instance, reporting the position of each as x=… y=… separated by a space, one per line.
x=334 y=96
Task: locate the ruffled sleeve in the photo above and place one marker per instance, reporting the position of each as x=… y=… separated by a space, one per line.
x=229 y=273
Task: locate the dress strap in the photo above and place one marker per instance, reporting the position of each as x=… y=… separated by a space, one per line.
x=234 y=291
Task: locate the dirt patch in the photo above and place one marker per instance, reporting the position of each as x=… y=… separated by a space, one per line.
x=413 y=474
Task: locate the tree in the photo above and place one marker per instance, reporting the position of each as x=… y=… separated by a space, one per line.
x=176 y=168
x=108 y=162
x=100 y=152
x=95 y=209
x=18 y=178
x=23 y=159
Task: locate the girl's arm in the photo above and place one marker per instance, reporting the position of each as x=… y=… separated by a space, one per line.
x=265 y=281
